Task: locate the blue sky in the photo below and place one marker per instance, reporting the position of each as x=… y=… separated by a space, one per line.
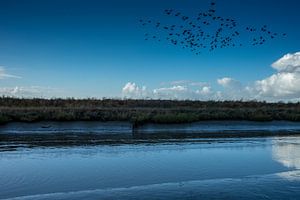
x=89 y=48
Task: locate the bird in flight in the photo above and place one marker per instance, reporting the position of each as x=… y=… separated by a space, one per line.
x=206 y=31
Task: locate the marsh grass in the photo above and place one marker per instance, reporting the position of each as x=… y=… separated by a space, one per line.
x=142 y=111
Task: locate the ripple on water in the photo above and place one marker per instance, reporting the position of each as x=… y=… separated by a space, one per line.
x=252 y=187
x=257 y=168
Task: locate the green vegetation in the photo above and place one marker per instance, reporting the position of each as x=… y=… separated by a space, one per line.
x=143 y=111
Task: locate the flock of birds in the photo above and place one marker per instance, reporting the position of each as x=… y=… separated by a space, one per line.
x=206 y=31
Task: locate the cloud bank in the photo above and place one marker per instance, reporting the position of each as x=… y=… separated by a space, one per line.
x=29 y=92
x=283 y=85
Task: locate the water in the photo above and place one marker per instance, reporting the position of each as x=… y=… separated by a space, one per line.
x=125 y=128
x=50 y=134
x=242 y=168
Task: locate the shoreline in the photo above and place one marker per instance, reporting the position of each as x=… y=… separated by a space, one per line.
x=64 y=134
x=112 y=127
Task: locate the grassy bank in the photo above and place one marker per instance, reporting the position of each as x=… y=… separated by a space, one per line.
x=143 y=111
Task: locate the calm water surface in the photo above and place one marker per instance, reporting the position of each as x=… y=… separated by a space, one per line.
x=254 y=168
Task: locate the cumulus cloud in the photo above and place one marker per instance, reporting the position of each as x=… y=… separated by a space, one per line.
x=206 y=90
x=283 y=85
x=288 y=63
x=225 y=81
x=232 y=89
x=131 y=90
x=180 y=92
x=280 y=85
x=183 y=92
x=229 y=83
x=4 y=74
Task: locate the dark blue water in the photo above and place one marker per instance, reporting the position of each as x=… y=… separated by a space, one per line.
x=253 y=168
x=126 y=128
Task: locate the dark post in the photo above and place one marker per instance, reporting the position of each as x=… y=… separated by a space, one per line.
x=134 y=128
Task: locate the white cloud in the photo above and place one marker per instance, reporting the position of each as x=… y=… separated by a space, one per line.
x=4 y=75
x=180 y=92
x=224 y=81
x=229 y=83
x=185 y=83
x=280 y=85
x=177 y=88
x=288 y=63
x=206 y=90
x=174 y=92
x=131 y=90
x=232 y=89
x=30 y=92
x=283 y=85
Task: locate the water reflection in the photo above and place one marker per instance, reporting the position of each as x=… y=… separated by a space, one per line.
x=259 y=168
x=287 y=152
